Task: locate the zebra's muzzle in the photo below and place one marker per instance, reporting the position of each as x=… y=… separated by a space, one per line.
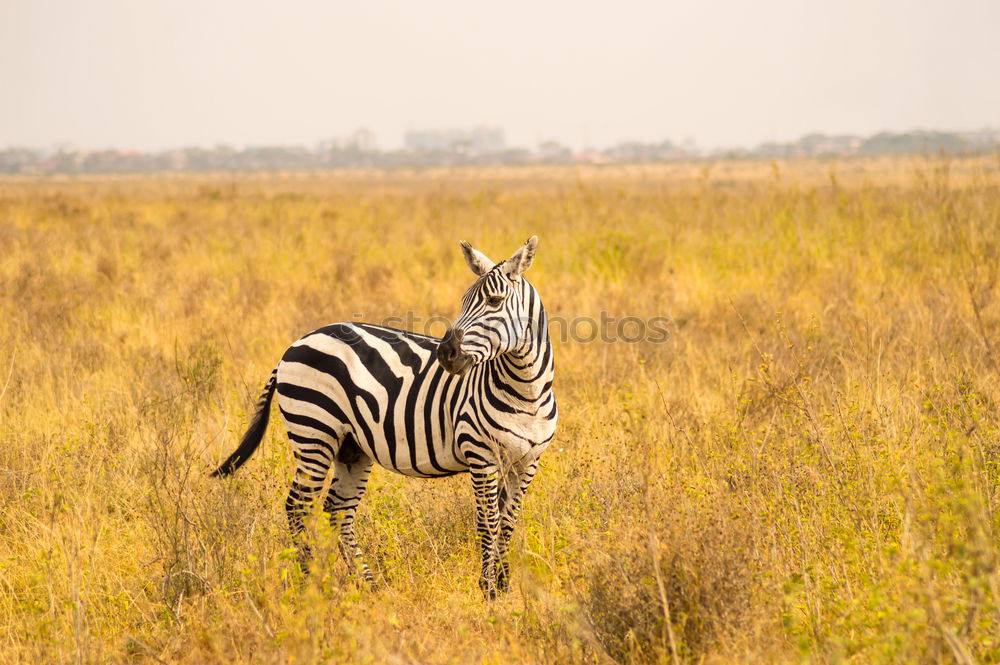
x=450 y=354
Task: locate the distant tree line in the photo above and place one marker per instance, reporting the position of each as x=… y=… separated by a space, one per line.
x=884 y=143
x=324 y=156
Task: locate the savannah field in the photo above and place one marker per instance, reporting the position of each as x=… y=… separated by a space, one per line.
x=806 y=470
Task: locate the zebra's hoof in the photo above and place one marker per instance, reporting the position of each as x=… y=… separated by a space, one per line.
x=304 y=558
x=503 y=582
x=489 y=588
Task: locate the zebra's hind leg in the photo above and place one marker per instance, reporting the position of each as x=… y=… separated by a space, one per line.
x=312 y=466
x=350 y=479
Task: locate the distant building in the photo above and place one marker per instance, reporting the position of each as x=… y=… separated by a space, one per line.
x=361 y=140
x=822 y=144
x=478 y=141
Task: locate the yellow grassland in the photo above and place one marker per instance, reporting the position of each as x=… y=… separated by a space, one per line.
x=806 y=470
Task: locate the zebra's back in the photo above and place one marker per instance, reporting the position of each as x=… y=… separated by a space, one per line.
x=382 y=385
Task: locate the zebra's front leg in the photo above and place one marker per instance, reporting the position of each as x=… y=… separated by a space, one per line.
x=486 y=484
x=346 y=490
x=512 y=494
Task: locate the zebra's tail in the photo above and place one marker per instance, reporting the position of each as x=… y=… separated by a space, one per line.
x=252 y=438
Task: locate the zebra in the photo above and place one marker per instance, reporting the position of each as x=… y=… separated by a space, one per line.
x=480 y=400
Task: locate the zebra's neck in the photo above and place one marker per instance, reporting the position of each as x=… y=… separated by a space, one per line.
x=523 y=377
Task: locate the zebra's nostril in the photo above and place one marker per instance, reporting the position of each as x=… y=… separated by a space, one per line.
x=446 y=351
x=450 y=347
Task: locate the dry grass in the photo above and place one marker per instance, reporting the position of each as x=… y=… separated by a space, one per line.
x=806 y=470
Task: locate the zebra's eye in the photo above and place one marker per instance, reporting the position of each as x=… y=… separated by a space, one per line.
x=494 y=301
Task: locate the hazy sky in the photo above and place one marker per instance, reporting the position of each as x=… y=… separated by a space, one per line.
x=166 y=73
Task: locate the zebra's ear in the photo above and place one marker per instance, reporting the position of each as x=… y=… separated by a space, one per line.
x=478 y=262
x=519 y=263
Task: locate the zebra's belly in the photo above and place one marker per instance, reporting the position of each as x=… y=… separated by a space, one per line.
x=416 y=457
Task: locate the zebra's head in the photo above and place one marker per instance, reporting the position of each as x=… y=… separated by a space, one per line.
x=495 y=310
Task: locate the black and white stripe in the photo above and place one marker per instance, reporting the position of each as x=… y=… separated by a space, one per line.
x=480 y=400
